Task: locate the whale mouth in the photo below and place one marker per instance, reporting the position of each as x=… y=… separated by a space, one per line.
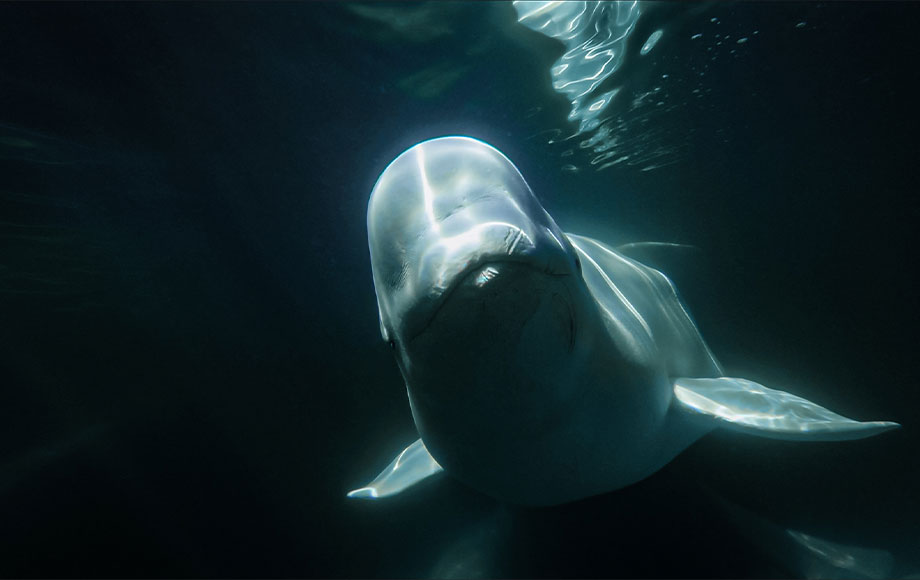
x=485 y=279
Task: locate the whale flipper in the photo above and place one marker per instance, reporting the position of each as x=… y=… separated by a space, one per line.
x=749 y=407
x=410 y=467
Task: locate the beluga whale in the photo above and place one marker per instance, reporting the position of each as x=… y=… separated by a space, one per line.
x=541 y=366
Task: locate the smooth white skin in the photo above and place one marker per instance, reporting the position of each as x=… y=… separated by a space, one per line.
x=442 y=207
x=542 y=367
x=521 y=383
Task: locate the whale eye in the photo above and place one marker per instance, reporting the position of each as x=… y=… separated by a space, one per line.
x=392 y=344
x=578 y=264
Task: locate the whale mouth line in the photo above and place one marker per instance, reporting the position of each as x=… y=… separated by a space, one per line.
x=474 y=268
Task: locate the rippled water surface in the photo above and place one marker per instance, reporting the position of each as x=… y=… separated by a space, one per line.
x=190 y=358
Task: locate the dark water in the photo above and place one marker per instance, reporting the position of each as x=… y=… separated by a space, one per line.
x=191 y=367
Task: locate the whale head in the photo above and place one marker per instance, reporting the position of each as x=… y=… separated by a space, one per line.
x=479 y=293
x=442 y=209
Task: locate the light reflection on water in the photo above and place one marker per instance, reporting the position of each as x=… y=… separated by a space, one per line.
x=619 y=80
x=597 y=39
x=594 y=35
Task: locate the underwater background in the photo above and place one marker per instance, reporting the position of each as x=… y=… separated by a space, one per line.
x=191 y=369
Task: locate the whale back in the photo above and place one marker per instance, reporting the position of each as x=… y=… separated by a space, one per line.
x=643 y=306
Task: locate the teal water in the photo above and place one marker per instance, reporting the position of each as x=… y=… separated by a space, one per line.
x=191 y=364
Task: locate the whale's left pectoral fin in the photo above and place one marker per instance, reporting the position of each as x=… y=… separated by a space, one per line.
x=752 y=408
x=410 y=467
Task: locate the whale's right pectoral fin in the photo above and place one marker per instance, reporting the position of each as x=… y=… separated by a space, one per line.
x=410 y=467
x=746 y=406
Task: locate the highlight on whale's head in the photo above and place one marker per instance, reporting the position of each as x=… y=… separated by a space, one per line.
x=444 y=208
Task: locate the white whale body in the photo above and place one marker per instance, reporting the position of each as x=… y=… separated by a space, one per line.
x=542 y=367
